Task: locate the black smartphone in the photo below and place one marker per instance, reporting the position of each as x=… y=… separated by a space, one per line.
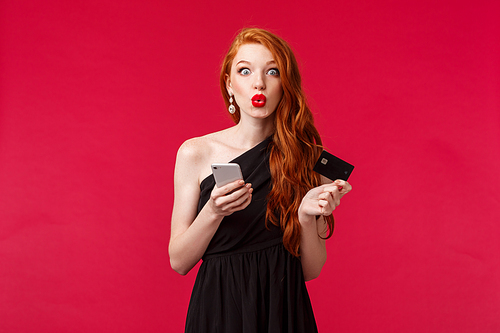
x=333 y=167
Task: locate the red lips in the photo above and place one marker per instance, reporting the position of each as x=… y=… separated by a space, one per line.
x=259 y=100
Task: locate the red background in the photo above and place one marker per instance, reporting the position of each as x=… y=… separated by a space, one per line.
x=96 y=97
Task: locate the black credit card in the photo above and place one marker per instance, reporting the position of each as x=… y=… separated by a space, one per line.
x=333 y=167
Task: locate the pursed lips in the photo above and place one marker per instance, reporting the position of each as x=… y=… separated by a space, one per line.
x=259 y=100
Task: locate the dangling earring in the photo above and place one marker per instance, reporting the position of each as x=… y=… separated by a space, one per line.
x=231 y=108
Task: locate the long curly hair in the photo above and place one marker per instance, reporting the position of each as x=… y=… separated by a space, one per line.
x=296 y=143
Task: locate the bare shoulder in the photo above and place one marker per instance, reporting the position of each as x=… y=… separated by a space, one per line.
x=191 y=157
x=200 y=149
x=195 y=155
x=192 y=149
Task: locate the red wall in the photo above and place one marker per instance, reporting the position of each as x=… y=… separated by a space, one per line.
x=96 y=97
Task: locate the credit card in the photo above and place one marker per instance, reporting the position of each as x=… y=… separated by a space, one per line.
x=333 y=167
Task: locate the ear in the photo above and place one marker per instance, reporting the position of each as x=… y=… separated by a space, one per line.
x=229 y=87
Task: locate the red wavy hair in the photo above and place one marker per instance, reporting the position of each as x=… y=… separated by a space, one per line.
x=296 y=141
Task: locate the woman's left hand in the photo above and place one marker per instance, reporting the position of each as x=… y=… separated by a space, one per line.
x=323 y=200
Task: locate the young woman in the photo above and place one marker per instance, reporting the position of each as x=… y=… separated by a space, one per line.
x=260 y=239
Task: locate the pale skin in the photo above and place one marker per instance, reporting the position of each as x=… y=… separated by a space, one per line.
x=253 y=71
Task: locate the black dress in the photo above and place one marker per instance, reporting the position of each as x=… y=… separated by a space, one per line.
x=248 y=282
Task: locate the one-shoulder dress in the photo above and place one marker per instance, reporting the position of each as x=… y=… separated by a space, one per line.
x=248 y=282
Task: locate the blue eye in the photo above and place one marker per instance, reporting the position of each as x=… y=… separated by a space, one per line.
x=244 y=71
x=274 y=72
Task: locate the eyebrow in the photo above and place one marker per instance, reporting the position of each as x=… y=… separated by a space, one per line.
x=248 y=62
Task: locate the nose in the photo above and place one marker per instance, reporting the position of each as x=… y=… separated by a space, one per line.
x=259 y=83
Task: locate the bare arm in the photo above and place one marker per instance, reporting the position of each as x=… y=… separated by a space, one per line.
x=191 y=234
x=319 y=201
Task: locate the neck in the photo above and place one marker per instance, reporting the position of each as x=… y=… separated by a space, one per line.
x=247 y=134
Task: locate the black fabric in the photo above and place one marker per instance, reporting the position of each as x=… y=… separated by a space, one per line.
x=248 y=282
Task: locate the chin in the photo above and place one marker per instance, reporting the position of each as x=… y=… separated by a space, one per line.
x=261 y=114
x=258 y=112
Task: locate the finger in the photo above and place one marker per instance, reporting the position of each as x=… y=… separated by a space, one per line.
x=327 y=207
x=228 y=200
x=245 y=203
x=332 y=189
x=333 y=199
x=323 y=203
x=344 y=187
x=231 y=187
x=324 y=195
x=226 y=189
x=344 y=184
x=340 y=183
x=241 y=203
x=228 y=204
x=234 y=195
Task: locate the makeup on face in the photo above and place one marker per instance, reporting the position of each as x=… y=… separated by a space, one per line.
x=255 y=81
x=259 y=100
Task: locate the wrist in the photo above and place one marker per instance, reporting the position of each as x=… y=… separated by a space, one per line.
x=306 y=220
x=211 y=215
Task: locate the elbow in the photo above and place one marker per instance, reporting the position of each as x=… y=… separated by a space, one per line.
x=313 y=270
x=181 y=272
x=312 y=275
x=178 y=268
x=177 y=264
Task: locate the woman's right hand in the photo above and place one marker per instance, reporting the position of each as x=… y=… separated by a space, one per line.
x=230 y=198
